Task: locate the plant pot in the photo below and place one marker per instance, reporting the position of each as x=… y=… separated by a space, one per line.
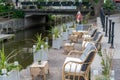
x=57 y=43
x=40 y=55
x=70 y=30
x=65 y=35
x=12 y=75
x=97 y=75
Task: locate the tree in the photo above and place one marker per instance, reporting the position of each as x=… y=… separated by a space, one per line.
x=97 y=4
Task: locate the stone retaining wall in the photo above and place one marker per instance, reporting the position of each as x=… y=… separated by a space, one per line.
x=11 y=25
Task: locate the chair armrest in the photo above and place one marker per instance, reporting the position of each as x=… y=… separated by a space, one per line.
x=75 y=51
x=88 y=39
x=63 y=67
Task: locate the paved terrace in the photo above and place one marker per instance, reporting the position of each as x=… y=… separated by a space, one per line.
x=57 y=57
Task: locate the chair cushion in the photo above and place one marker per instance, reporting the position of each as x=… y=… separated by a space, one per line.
x=72 y=67
x=99 y=37
x=88 y=59
x=96 y=36
x=84 y=44
x=89 y=47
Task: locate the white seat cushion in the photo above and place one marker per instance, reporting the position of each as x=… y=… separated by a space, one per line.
x=72 y=67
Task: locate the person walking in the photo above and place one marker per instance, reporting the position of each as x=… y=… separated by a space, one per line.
x=79 y=17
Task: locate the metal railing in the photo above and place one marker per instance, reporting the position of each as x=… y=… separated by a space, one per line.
x=8 y=14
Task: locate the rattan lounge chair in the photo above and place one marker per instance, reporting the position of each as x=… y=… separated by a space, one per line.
x=80 y=51
x=78 y=68
x=91 y=33
x=96 y=40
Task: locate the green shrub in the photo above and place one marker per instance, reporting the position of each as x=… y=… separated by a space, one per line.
x=4 y=60
x=18 y=14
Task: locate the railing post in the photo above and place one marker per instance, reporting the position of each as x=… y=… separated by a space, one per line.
x=112 y=36
x=106 y=26
x=109 y=38
x=103 y=23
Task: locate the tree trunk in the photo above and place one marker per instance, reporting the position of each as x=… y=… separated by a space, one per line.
x=97 y=6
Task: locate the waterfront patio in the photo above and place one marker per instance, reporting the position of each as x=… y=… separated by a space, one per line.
x=57 y=58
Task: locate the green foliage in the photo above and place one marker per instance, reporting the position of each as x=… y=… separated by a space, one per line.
x=106 y=63
x=96 y=1
x=109 y=5
x=101 y=77
x=3 y=8
x=18 y=14
x=56 y=32
x=4 y=60
x=51 y=17
x=1 y=1
x=40 y=41
x=9 y=7
x=100 y=52
x=64 y=28
x=73 y=26
x=86 y=18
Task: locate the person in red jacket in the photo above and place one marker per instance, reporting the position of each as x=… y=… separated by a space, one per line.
x=79 y=17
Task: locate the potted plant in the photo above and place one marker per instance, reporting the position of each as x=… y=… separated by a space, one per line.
x=9 y=71
x=64 y=32
x=57 y=39
x=40 y=49
x=107 y=72
x=71 y=28
x=107 y=63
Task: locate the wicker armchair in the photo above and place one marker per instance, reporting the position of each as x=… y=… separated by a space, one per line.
x=91 y=33
x=78 y=68
x=81 y=50
x=96 y=40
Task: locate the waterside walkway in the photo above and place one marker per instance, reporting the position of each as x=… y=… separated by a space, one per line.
x=57 y=57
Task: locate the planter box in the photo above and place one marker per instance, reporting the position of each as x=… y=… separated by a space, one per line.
x=65 y=35
x=70 y=30
x=98 y=72
x=12 y=75
x=57 y=43
x=37 y=55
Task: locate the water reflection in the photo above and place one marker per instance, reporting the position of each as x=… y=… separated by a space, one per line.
x=23 y=41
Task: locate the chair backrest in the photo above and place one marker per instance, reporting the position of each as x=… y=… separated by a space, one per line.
x=84 y=44
x=96 y=36
x=99 y=38
x=88 y=61
x=98 y=43
x=83 y=27
x=89 y=47
x=86 y=26
x=92 y=32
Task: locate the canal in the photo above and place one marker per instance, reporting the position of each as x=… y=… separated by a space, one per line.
x=23 y=42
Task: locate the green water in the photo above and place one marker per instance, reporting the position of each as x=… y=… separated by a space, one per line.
x=23 y=41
